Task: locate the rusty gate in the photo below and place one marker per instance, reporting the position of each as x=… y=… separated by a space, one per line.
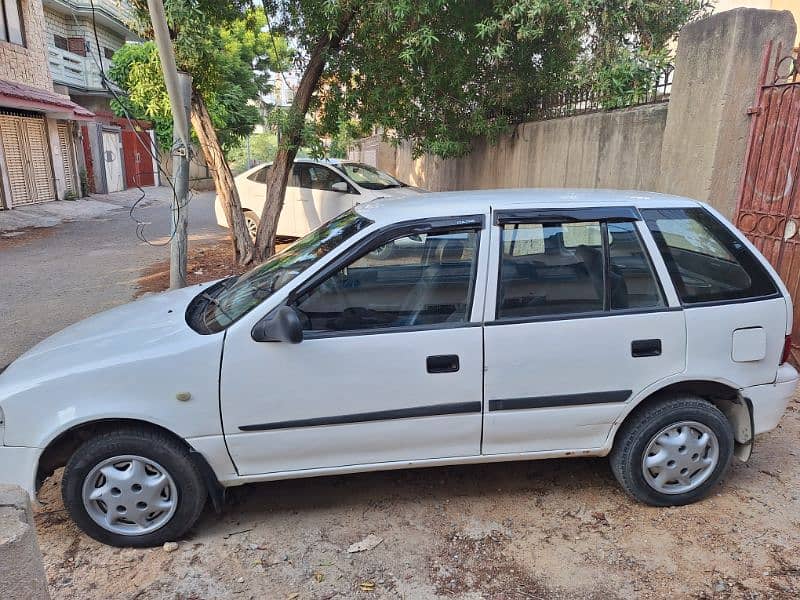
x=768 y=209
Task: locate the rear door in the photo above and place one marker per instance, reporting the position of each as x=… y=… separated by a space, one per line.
x=253 y=194
x=579 y=327
x=317 y=201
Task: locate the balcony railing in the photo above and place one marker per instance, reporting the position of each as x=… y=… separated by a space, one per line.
x=118 y=9
x=75 y=70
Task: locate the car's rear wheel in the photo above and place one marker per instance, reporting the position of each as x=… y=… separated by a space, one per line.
x=251 y=221
x=672 y=452
x=133 y=487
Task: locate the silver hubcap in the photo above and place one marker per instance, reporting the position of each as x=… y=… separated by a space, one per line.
x=252 y=226
x=680 y=457
x=130 y=495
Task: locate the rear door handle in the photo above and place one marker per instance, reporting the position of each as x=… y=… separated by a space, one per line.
x=640 y=348
x=442 y=363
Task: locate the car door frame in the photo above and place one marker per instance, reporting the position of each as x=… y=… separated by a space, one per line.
x=606 y=213
x=373 y=238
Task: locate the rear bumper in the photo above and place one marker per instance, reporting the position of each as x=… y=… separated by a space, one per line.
x=18 y=467
x=770 y=401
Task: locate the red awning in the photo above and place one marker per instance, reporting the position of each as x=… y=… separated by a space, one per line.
x=24 y=97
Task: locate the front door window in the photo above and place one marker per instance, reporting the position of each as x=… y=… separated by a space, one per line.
x=426 y=280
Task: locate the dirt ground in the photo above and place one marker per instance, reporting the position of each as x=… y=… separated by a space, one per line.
x=205 y=263
x=524 y=530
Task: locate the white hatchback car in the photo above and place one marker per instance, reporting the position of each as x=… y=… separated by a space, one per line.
x=524 y=324
x=317 y=191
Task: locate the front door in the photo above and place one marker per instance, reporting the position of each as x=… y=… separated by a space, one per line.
x=391 y=367
x=112 y=154
x=578 y=328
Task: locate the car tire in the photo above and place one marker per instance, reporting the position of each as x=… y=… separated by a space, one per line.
x=251 y=221
x=672 y=452
x=135 y=459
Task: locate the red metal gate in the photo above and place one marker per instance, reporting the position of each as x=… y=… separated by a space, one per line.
x=136 y=148
x=768 y=210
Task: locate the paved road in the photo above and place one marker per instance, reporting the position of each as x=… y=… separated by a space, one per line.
x=55 y=276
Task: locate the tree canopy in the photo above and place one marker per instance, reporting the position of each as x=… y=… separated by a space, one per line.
x=227 y=52
x=441 y=72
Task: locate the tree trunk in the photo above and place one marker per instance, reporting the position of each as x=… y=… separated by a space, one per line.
x=287 y=150
x=243 y=247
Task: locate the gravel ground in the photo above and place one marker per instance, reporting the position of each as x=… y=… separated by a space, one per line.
x=545 y=529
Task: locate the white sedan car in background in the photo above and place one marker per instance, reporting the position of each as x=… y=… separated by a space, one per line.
x=317 y=191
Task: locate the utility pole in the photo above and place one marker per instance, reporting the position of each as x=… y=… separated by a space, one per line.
x=179 y=91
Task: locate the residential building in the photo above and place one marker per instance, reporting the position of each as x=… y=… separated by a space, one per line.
x=38 y=159
x=82 y=37
x=72 y=48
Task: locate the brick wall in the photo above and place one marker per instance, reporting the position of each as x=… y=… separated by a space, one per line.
x=28 y=65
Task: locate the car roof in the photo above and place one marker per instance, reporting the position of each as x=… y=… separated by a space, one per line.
x=472 y=202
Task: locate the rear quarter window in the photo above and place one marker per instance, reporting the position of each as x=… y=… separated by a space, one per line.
x=706 y=261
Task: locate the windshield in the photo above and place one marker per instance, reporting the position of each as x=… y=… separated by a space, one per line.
x=229 y=300
x=369 y=177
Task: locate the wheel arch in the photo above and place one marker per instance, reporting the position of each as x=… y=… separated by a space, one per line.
x=58 y=451
x=736 y=408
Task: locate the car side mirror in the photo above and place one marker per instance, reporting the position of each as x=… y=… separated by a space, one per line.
x=281 y=325
x=340 y=186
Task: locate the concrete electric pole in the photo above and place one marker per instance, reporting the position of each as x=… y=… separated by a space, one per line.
x=179 y=89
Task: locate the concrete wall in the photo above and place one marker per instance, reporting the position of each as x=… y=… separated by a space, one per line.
x=22 y=575
x=28 y=64
x=692 y=145
x=708 y=125
x=613 y=149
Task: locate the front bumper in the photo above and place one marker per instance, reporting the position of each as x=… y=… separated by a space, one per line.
x=770 y=401
x=18 y=467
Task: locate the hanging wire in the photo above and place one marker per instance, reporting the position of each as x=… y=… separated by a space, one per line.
x=109 y=86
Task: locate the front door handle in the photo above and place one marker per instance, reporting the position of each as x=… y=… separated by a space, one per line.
x=641 y=348
x=443 y=363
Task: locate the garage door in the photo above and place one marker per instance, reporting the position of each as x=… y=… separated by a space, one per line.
x=27 y=158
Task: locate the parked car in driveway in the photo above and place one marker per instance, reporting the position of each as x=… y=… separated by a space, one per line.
x=317 y=191
x=525 y=324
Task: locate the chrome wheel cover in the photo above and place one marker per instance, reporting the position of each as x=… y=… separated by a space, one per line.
x=252 y=226
x=680 y=457
x=130 y=495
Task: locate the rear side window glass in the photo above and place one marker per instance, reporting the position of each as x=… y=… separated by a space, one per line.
x=706 y=261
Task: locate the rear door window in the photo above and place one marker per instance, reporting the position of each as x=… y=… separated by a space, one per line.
x=706 y=261
x=569 y=268
x=259 y=176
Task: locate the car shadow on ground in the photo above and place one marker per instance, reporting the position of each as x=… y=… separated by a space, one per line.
x=422 y=485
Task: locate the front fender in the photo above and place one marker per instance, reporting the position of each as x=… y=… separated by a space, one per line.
x=173 y=383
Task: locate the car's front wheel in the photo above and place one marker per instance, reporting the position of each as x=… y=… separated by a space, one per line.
x=672 y=452
x=133 y=487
